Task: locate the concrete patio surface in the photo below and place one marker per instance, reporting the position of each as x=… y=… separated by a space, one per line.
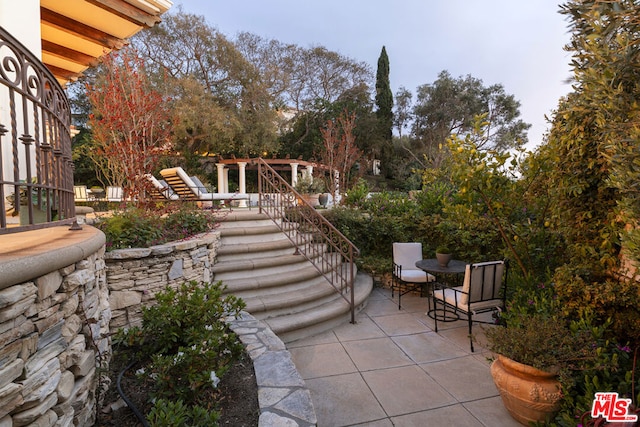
x=392 y=369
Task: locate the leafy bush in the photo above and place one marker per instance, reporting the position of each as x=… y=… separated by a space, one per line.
x=140 y=228
x=166 y=413
x=357 y=194
x=187 y=348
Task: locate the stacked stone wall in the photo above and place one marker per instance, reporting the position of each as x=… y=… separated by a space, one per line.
x=54 y=330
x=135 y=276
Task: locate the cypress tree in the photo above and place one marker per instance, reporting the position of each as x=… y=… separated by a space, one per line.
x=384 y=113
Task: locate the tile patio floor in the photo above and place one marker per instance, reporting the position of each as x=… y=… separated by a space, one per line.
x=391 y=369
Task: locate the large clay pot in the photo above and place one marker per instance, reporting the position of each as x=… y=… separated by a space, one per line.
x=443 y=259
x=529 y=394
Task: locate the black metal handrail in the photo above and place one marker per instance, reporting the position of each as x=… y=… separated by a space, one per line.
x=35 y=140
x=330 y=252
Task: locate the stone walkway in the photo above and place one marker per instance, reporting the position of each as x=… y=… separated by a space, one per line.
x=389 y=369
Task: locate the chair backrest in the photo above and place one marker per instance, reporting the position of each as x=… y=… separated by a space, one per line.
x=406 y=254
x=80 y=193
x=161 y=190
x=114 y=194
x=483 y=281
x=182 y=183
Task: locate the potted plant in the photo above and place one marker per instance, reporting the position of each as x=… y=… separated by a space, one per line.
x=535 y=352
x=309 y=189
x=443 y=255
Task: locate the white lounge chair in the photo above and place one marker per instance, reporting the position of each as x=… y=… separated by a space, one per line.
x=161 y=190
x=186 y=189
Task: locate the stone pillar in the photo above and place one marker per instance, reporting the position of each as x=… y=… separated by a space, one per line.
x=309 y=173
x=294 y=174
x=221 y=176
x=226 y=180
x=243 y=183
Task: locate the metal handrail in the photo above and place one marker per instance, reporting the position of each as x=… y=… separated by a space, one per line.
x=36 y=169
x=315 y=238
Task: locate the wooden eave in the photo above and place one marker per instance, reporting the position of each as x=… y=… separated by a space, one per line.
x=76 y=33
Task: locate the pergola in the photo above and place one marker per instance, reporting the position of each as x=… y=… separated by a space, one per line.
x=223 y=166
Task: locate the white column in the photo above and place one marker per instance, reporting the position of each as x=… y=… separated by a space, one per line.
x=309 y=173
x=243 y=183
x=221 y=176
x=294 y=174
x=226 y=180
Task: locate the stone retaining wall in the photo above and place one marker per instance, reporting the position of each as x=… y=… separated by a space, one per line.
x=135 y=276
x=51 y=330
x=54 y=327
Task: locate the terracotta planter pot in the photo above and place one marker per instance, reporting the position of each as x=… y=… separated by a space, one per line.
x=529 y=394
x=443 y=259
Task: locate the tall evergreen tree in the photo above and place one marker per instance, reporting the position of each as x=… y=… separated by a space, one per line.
x=384 y=113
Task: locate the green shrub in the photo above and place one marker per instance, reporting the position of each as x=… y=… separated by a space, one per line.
x=356 y=196
x=140 y=228
x=166 y=413
x=130 y=229
x=186 y=345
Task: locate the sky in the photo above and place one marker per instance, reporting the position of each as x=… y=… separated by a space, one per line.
x=516 y=43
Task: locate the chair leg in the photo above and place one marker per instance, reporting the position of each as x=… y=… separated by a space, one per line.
x=435 y=311
x=470 y=317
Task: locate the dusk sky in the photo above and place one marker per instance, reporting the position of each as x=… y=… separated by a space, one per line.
x=518 y=44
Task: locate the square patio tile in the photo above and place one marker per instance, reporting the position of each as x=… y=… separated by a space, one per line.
x=400 y=324
x=376 y=353
x=343 y=400
x=455 y=415
x=364 y=328
x=323 y=338
x=465 y=378
x=428 y=347
x=322 y=360
x=491 y=412
x=381 y=307
x=406 y=389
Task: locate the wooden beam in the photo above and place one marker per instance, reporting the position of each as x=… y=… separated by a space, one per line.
x=127 y=11
x=69 y=54
x=79 y=29
x=62 y=73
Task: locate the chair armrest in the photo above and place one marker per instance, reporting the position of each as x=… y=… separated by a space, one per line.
x=397 y=270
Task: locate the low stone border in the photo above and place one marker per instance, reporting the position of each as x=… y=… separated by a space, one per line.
x=283 y=397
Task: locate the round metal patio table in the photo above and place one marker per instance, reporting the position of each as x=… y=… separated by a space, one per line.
x=453 y=270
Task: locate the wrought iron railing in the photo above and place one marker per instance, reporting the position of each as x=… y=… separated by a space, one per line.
x=36 y=169
x=331 y=253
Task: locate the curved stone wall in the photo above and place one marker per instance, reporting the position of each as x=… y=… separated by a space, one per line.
x=54 y=326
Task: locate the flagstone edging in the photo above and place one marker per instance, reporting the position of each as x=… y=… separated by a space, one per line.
x=283 y=397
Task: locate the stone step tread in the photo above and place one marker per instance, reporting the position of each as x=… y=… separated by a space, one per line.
x=271 y=280
x=281 y=297
x=248 y=231
x=242 y=248
x=257 y=263
x=321 y=313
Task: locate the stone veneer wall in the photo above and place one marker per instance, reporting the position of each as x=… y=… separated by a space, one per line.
x=52 y=327
x=55 y=326
x=134 y=276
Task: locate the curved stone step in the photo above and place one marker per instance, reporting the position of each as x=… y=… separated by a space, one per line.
x=241 y=251
x=257 y=263
x=259 y=267
x=276 y=301
x=322 y=317
x=307 y=272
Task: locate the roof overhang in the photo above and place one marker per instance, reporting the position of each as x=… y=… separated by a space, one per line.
x=76 y=33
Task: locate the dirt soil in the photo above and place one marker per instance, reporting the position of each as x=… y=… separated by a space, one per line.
x=237 y=397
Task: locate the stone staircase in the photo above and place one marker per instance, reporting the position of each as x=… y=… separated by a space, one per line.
x=258 y=263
